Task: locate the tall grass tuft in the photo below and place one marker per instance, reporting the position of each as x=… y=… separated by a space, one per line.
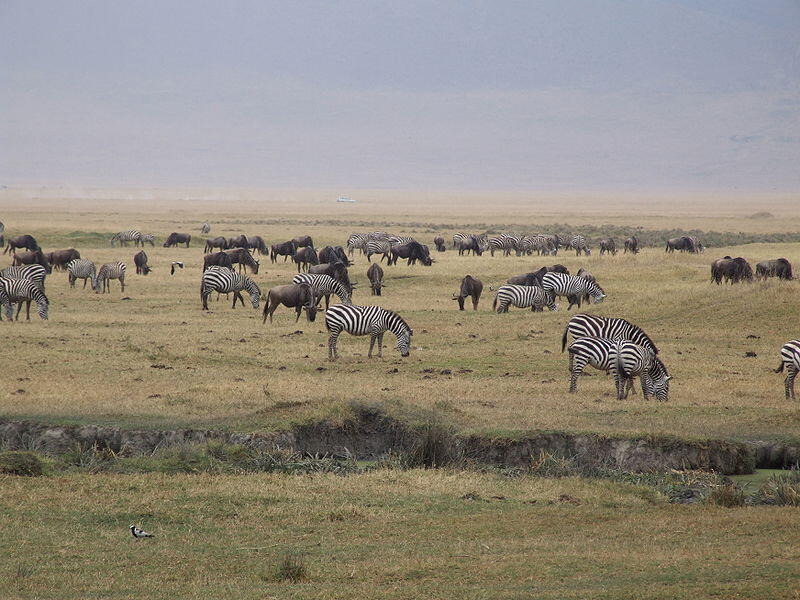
x=291 y=568
x=780 y=490
x=728 y=495
x=435 y=444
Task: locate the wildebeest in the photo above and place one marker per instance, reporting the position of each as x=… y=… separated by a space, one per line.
x=608 y=245
x=285 y=249
x=438 y=241
x=413 y=251
x=375 y=276
x=470 y=286
x=32 y=257
x=22 y=241
x=256 y=242
x=303 y=241
x=140 y=260
x=244 y=258
x=59 y=259
x=535 y=277
x=175 y=238
x=337 y=270
x=684 y=243
x=304 y=257
x=217 y=259
x=299 y=296
x=332 y=254
x=217 y=242
x=240 y=241
x=780 y=268
x=632 y=245
x=732 y=270
x=470 y=244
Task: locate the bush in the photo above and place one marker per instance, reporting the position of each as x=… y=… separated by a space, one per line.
x=434 y=445
x=23 y=463
x=780 y=490
x=291 y=568
x=728 y=495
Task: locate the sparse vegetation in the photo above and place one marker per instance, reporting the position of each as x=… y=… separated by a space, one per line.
x=781 y=490
x=22 y=463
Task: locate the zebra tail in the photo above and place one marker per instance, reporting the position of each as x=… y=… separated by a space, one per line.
x=780 y=368
x=494 y=304
x=564 y=338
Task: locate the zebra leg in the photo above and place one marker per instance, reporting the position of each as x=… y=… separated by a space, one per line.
x=204 y=298
x=19 y=309
x=122 y=283
x=332 y=354
x=789 y=383
x=371 y=345
x=27 y=310
x=380 y=345
x=619 y=381
x=576 y=371
x=647 y=385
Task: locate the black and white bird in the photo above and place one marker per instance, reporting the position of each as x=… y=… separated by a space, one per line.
x=174 y=263
x=139 y=533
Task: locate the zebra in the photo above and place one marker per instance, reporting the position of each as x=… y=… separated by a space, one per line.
x=147 y=237
x=396 y=240
x=34 y=272
x=461 y=237
x=324 y=285
x=573 y=287
x=24 y=290
x=790 y=360
x=523 y=296
x=542 y=244
x=363 y=320
x=378 y=235
x=593 y=351
x=578 y=243
x=123 y=237
x=357 y=240
x=504 y=242
x=81 y=268
x=584 y=325
x=224 y=280
x=5 y=302
x=382 y=247
x=109 y=271
x=630 y=360
x=205 y=228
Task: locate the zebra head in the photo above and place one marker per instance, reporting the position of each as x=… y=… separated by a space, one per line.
x=9 y=309
x=95 y=282
x=661 y=388
x=254 y=291
x=43 y=306
x=404 y=341
x=598 y=295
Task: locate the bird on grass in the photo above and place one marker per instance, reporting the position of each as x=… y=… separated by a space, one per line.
x=177 y=262
x=139 y=533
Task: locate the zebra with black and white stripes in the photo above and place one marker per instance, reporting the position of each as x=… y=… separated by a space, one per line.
x=324 y=285
x=613 y=328
x=523 y=296
x=224 y=280
x=24 y=290
x=34 y=272
x=123 y=237
x=630 y=360
x=357 y=241
x=574 y=288
x=504 y=242
x=366 y=320
x=82 y=268
x=147 y=237
x=594 y=351
x=5 y=304
x=382 y=247
x=579 y=244
x=109 y=271
x=396 y=240
x=790 y=360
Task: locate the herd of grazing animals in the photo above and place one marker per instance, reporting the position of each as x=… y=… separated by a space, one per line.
x=612 y=345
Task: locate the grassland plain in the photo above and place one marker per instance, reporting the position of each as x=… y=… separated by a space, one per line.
x=152 y=358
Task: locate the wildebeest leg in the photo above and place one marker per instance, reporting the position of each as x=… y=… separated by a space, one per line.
x=475 y=301
x=460 y=302
x=298 y=309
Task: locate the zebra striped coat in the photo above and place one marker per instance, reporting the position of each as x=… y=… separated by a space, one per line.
x=324 y=285
x=147 y=237
x=109 y=271
x=523 y=296
x=573 y=287
x=81 y=268
x=366 y=320
x=584 y=325
x=504 y=242
x=24 y=290
x=5 y=304
x=357 y=240
x=123 y=237
x=790 y=360
x=578 y=243
x=382 y=247
x=630 y=360
x=594 y=351
x=34 y=272
x=225 y=280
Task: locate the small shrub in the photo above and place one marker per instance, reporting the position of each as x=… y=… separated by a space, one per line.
x=728 y=495
x=23 y=463
x=550 y=465
x=780 y=490
x=91 y=458
x=291 y=568
x=435 y=444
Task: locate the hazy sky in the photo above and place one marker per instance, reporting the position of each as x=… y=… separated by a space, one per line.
x=562 y=94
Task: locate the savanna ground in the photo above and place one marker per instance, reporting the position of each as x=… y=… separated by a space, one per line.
x=156 y=360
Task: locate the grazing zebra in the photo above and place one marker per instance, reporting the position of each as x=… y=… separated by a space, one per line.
x=523 y=296
x=123 y=237
x=378 y=235
x=378 y=247
x=790 y=360
x=147 y=237
x=578 y=243
x=630 y=360
x=583 y=325
x=396 y=240
x=504 y=242
x=24 y=290
x=363 y=320
x=324 y=285
x=6 y=304
x=109 y=271
x=205 y=228
x=458 y=238
x=81 y=268
x=357 y=240
x=224 y=280
x=593 y=351
x=573 y=287
x=542 y=244
x=34 y=272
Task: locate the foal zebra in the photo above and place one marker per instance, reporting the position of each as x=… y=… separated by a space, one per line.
x=81 y=268
x=224 y=280
x=790 y=360
x=578 y=243
x=35 y=272
x=613 y=328
x=523 y=296
x=109 y=271
x=123 y=237
x=24 y=290
x=363 y=320
x=324 y=285
x=630 y=360
x=574 y=288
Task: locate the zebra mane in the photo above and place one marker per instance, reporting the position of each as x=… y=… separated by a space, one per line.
x=400 y=319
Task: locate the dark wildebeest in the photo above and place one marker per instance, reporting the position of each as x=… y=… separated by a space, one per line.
x=217 y=242
x=332 y=254
x=471 y=244
x=780 y=268
x=175 y=238
x=60 y=258
x=413 y=251
x=299 y=296
x=303 y=241
x=22 y=241
x=29 y=258
x=304 y=257
x=286 y=249
x=732 y=270
x=218 y=259
x=244 y=258
x=535 y=277
x=632 y=245
x=375 y=276
x=469 y=287
x=438 y=241
x=240 y=241
x=337 y=270
x=608 y=245
x=684 y=244
x=140 y=260
x=256 y=242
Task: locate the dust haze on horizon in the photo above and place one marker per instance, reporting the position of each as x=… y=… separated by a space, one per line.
x=557 y=95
